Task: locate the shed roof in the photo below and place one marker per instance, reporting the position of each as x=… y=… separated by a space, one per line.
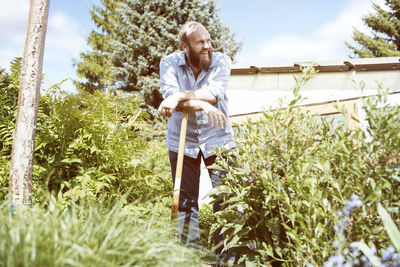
x=360 y=64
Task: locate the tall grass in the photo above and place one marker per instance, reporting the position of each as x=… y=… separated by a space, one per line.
x=90 y=234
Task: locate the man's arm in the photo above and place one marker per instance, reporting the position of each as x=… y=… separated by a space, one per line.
x=217 y=118
x=168 y=105
x=202 y=94
x=215 y=90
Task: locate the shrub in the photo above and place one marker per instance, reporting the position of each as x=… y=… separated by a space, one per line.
x=206 y=219
x=87 y=145
x=294 y=171
x=98 y=144
x=9 y=87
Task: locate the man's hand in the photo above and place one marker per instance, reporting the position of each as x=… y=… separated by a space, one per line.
x=171 y=103
x=168 y=106
x=217 y=118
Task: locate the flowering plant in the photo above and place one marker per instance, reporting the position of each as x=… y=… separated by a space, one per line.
x=293 y=171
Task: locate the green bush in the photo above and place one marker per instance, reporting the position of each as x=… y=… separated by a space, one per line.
x=87 y=145
x=294 y=171
x=98 y=144
x=90 y=234
x=206 y=219
x=9 y=87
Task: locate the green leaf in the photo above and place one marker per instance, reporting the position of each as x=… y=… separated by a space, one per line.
x=69 y=161
x=221 y=189
x=367 y=252
x=390 y=227
x=250 y=264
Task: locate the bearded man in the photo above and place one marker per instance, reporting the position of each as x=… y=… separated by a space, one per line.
x=195 y=80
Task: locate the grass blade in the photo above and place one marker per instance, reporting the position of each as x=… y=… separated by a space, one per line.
x=390 y=227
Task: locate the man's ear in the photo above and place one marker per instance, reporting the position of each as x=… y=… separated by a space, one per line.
x=185 y=47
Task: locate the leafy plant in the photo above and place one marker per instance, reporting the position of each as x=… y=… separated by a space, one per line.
x=360 y=253
x=206 y=219
x=9 y=88
x=9 y=85
x=87 y=145
x=390 y=227
x=97 y=144
x=293 y=171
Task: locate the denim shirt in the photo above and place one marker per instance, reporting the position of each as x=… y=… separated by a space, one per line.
x=175 y=75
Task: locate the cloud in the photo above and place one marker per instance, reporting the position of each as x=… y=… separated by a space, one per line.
x=13 y=23
x=65 y=39
x=327 y=42
x=13 y=16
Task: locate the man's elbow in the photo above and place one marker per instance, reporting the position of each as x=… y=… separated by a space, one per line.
x=212 y=98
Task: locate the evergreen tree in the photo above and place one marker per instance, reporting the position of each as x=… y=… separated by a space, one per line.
x=95 y=66
x=385 y=27
x=134 y=35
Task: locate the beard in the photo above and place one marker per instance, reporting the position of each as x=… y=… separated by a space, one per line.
x=200 y=60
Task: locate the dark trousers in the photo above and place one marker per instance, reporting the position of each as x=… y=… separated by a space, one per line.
x=188 y=210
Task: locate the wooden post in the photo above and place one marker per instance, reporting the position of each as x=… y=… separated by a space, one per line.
x=20 y=184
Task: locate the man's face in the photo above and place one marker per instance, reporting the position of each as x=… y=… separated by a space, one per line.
x=200 y=49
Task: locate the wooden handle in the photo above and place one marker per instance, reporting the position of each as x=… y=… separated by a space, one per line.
x=179 y=166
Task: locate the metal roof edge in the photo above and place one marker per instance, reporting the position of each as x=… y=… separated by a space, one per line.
x=360 y=64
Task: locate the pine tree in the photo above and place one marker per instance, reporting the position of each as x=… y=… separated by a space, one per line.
x=95 y=65
x=134 y=35
x=385 y=27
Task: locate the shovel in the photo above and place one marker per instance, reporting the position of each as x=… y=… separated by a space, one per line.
x=179 y=165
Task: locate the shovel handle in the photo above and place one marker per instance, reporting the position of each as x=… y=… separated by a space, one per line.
x=179 y=166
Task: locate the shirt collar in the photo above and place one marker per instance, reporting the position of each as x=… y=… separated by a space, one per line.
x=182 y=60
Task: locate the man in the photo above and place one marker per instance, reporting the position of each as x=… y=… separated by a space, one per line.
x=195 y=80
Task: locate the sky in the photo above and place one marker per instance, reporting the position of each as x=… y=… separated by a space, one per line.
x=271 y=31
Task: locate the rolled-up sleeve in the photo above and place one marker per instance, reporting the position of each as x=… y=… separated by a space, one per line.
x=219 y=78
x=168 y=79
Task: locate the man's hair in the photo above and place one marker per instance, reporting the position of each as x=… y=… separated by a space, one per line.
x=187 y=28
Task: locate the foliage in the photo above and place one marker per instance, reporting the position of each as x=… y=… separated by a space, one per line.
x=206 y=219
x=108 y=168
x=135 y=35
x=390 y=227
x=9 y=85
x=90 y=234
x=293 y=172
x=387 y=256
x=88 y=145
x=97 y=144
x=360 y=254
x=385 y=39
x=9 y=88
x=95 y=66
